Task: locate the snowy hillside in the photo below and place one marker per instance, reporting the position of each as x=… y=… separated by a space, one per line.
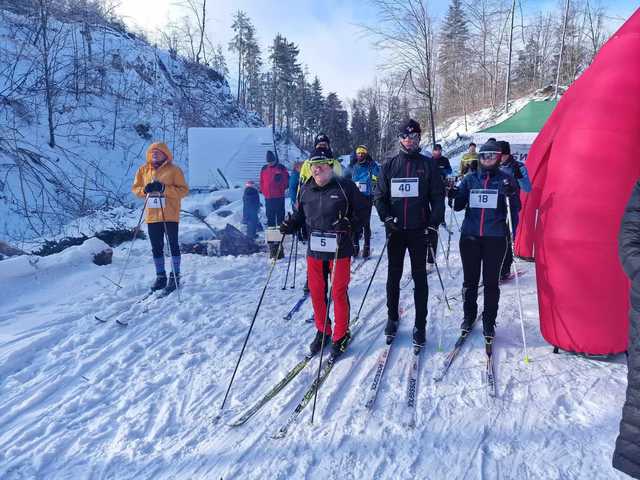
x=111 y=94
x=82 y=399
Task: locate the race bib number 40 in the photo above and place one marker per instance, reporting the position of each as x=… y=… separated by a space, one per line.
x=324 y=242
x=404 y=187
x=156 y=202
x=483 y=198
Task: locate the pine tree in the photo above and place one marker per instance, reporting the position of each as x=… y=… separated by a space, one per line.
x=335 y=123
x=241 y=26
x=373 y=131
x=453 y=56
x=358 y=125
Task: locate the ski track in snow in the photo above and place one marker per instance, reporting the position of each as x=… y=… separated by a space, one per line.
x=81 y=399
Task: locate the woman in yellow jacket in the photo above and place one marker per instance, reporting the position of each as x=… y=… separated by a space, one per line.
x=164 y=184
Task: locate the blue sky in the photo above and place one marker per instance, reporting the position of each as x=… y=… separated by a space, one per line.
x=327 y=32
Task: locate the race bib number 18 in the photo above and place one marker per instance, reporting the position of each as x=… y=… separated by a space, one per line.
x=155 y=202
x=483 y=198
x=404 y=187
x=324 y=242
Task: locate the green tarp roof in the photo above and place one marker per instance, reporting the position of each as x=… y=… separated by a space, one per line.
x=529 y=119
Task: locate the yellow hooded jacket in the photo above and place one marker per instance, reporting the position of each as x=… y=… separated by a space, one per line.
x=305 y=170
x=175 y=186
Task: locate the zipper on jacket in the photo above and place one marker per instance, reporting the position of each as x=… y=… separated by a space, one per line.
x=406 y=200
x=486 y=183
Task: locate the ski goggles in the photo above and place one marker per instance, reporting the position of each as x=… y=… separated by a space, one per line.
x=413 y=136
x=316 y=161
x=489 y=155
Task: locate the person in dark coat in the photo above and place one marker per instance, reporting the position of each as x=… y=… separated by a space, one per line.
x=251 y=208
x=626 y=456
x=409 y=198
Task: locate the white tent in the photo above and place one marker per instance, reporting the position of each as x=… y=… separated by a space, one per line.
x=234 y=154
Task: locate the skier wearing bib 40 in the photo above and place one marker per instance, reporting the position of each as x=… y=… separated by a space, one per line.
x=410 y=201
x=364 y=172
x=331 y=207
x=483 y=237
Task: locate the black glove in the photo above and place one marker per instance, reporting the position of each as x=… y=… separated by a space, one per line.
x=517 y=170
x=391 y=225
x=288 y=227
x=432 y=236
x=509 y=189
x=343 y=224
x=154 y=186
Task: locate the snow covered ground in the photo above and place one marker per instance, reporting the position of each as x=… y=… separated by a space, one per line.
x=82 y=399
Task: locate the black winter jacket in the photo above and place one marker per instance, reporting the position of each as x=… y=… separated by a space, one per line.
x=626 y=456
x=419 y=212
x=320 y=207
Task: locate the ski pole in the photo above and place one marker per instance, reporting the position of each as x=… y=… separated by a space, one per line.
x=166 y=234
x=371 y=279
x=326 y=322
x=446 y=259
x=135 y=235
x=295 y=263
x=515 y=273
x=444 y=292
x=450 y=231
x=286 y=277
x=253 y=321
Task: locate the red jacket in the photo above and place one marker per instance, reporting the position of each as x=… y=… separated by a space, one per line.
x=274 y=181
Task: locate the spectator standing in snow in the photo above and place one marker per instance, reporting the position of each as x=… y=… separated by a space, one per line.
x=626 y=456
x=444 y=167
x=483 y=235
x=330 y=207
x=469 y=160
x=517 y=170
x=364 y=172
x=251 y=208
x=165 y=186
x=409 y=198
x=274 y=181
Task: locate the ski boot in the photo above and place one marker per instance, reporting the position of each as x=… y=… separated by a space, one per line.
x=466 y=326
x=338 y=347
x=316 y=344
x=419 y=339
x=172 y=284
x=489 y=332
x=390 y=330
x=366 y=251
x=160 y=283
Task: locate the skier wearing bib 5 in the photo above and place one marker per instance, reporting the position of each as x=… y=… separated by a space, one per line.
x=331 y=208
x=483 y=236
x=410 y=201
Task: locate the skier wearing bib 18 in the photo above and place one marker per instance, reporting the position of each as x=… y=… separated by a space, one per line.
x=331 y=208
x=483 y=237
x=409 y=198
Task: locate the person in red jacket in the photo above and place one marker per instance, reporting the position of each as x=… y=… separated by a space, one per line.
x=274 y=181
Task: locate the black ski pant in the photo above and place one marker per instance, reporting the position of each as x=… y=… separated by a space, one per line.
x=364 y=227
x=434 y=248
x=274 y=208
x=399 y=242
x=156 y=237
x=484 y=254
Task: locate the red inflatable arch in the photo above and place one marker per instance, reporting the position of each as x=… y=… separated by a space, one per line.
x=583 y=166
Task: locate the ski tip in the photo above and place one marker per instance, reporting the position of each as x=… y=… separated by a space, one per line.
x=121 y=323
x=99 y=319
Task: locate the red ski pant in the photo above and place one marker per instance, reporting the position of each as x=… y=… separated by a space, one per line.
x=318 y=272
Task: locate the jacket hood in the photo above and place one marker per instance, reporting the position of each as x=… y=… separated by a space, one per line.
x=163 y=148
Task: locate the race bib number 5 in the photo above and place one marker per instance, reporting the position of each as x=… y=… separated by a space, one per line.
x=483 y=198
x=324 y=242
x=156 y=202
x=404 y=187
